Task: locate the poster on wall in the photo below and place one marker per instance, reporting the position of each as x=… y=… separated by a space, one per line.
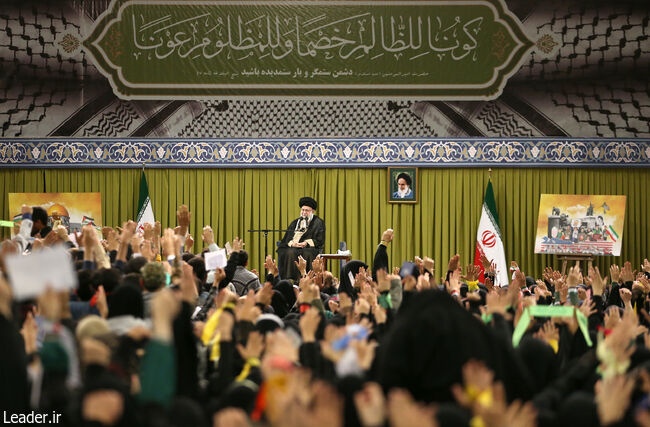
x=72 y=210
x=402 y=185
x=573 y=224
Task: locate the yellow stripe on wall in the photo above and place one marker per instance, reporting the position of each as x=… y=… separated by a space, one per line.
x=354 y=204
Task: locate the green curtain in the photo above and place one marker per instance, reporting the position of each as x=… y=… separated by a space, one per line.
x=353 y=203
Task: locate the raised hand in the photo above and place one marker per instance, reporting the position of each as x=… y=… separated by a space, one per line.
x=183 y=217
x=102 y=302
x=254 y=346
x=317 y=265
x=231 y=417
x=371 y=405
x=309 y=324
x=189 y=291
x=614 y=273
x=237 y=245
x=612 y=318
x=613 y=398
x=207 y=235
x=136 y=242
x=454 y=281
x=588 y=307
x=486 y=263
x=383 y=281
x=189 y=242
x=419 y=263
x=225 y=325
x=146 y=250
x=429 y=265
x=387 y=236
x=168 y=243
x=453 y=263
x=573 y=279
x=29 y=332
x=264 y=295
x=147 y=231
x=361 y=306
x=270 y=265
x=51 y=239
x=519 y=281
x=646 y=265
x=626 y=296
x=598 y=282
x=219 y=275
x=112 y=241
x=404 y=411
x=471 y=273
x=246 y=310
x=496 y=303
x=301 y=264
x=424 y=282
x=548 y=332
x=494 y=411
x=627 y=274
x=164 y=308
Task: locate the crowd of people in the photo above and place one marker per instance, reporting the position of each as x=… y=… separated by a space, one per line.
x=150 y=337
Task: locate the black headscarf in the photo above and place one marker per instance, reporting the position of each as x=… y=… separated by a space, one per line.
x=285 y=287
x=351 y=267
x=431 y=341
x=126 y=299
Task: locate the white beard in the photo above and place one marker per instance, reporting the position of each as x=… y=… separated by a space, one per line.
x=404 y=193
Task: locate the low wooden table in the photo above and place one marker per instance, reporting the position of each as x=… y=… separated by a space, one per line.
x=326 y=257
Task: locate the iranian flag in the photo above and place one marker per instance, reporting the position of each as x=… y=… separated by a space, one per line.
x=612 y=233
x=488 y=239
x=145 y=213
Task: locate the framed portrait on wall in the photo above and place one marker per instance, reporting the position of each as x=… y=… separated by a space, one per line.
x=402 y=185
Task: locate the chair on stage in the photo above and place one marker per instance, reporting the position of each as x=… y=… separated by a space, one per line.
x=310 y=254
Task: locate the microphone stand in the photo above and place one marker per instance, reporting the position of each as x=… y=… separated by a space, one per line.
x=266 y=232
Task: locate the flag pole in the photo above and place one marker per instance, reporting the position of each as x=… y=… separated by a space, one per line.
x=490 y=174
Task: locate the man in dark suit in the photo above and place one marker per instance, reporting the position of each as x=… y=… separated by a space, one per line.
x=305 y=237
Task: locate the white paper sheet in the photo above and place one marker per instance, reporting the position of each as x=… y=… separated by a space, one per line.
x=30 y=275
x=214 y=260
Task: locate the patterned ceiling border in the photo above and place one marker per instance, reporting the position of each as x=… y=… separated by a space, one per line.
x=322 y=152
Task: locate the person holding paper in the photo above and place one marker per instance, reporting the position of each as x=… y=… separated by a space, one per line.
x=305 y=237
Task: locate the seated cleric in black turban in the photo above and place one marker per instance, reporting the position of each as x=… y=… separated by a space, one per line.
x=305 y=237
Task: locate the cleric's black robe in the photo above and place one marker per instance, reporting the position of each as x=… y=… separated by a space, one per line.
x=287 y=255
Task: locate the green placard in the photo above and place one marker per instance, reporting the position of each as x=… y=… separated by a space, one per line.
x=424 y=49
x=550 y=311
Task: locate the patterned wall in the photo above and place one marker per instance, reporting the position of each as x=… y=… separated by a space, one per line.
x=586 y=77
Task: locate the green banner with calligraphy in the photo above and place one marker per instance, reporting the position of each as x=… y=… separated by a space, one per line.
x=215 y=49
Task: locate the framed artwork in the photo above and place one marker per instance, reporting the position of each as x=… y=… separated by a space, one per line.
x=580 y=224
x=403 y=185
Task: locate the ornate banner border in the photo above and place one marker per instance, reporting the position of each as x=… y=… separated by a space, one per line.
x=322 y=152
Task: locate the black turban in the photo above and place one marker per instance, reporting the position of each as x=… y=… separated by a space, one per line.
x=308 y=201
x=406 y=177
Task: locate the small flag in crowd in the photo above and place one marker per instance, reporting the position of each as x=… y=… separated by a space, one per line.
x=85 y=220
x=145 y=212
